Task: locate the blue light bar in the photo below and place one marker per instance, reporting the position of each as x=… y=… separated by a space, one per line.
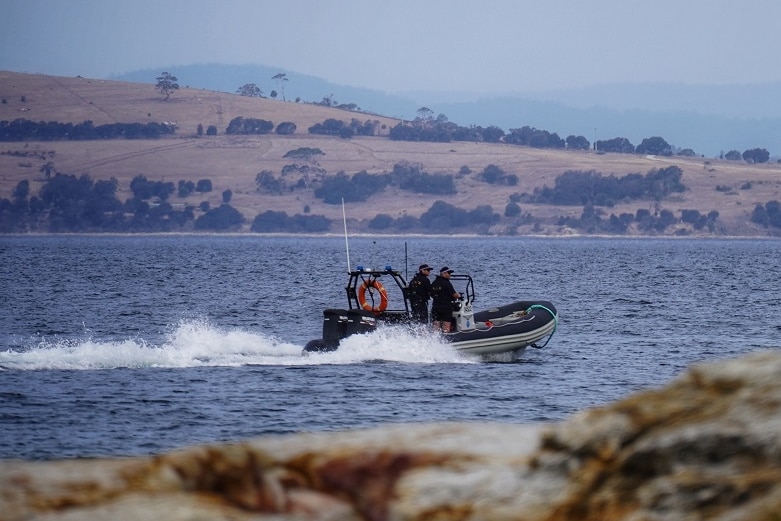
x=388 y=268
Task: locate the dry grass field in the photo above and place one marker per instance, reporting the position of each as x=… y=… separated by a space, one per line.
x=232 y=162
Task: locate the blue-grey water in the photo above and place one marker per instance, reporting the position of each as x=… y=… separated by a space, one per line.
x=139 y=345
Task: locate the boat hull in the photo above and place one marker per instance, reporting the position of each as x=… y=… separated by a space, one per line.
x=506 y=329
x=502 y=330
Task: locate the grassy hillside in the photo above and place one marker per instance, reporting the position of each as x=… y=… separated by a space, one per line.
x=232 y=162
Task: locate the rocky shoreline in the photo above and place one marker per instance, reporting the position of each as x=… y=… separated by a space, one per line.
x=705 y=446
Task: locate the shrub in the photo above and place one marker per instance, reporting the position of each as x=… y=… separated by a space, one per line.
x=286 y=128
x=223 y=217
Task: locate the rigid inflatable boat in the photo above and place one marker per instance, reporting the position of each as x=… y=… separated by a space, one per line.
x=496 y=333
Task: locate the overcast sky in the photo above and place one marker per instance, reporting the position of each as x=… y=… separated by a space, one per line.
x=496 y=46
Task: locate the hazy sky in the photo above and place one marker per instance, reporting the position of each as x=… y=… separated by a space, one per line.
x=396 y=45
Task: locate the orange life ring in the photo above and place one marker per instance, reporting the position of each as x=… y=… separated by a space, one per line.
x=377 y=285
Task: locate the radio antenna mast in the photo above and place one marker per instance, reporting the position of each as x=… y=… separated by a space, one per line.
x=406 y=268
x=346 y=243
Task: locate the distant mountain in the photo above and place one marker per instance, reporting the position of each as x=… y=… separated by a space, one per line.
x=755 y=101
x=708 y=119
x=706 y=134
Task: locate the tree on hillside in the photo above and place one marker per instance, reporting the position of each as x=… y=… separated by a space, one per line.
x=756 y=155
x=620 y=145
x=307 y=154
x=250 y=90
x=443 y=216
x=493 y=134
x=328 y=101
x=425 y=117
x=167 y=84
x=286 y=128
x=656 y=146
x=224 y=217
x=305 y=160
x=577 y=142
x=281 y=78
x=530 y=136
x=241 y=125
x=493 y=174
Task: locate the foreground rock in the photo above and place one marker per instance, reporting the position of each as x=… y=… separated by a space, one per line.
x=707 y=446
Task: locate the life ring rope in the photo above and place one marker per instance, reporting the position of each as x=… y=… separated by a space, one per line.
x=371 y=285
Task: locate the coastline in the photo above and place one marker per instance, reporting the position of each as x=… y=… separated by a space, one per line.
x=364 y=235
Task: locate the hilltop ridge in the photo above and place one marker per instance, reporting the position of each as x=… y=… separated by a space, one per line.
x=232 y=162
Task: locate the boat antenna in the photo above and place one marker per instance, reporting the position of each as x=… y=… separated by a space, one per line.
x=346 y=243
x=406 y=268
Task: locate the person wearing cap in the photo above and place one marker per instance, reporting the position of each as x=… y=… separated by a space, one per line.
x=420 y=292
x=443 y=294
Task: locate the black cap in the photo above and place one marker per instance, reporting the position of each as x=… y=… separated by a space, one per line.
x=445 y=269
x=424 y=267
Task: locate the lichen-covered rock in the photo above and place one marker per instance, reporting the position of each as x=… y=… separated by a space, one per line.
x=707 y=446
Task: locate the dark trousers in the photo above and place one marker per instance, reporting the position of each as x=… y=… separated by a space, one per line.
x=442 y=315
x=420 y=312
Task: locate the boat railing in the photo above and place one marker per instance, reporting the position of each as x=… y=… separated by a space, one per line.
x=370 y=289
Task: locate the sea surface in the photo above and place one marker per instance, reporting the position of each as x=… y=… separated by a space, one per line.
x=127 y=345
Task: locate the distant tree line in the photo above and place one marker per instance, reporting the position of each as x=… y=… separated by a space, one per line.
x=575 y=187
x=66 y=203
x=336 y=127
x=362 y=185
x=441 y=216
x=423 y=128
x=257 y=126
x=593 y=221
x=241 y=125
x=532 y=137
x=279 y=222
x=24 y=129
x=443 y=131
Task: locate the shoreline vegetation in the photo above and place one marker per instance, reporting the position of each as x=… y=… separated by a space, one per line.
x=217 y=167
x=330 y=235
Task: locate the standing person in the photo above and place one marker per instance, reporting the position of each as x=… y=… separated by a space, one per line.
x=443 y=293
x=420 y=292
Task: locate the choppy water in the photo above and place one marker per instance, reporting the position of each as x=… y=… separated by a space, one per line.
x=137 y=345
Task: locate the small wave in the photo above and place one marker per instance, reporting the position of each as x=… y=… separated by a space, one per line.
x=188 y=344
x=393 y=344
x=196 y=343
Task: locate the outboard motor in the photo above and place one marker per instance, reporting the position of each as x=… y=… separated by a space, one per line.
x=334 y=326
x=360 y=321
x=464 y=316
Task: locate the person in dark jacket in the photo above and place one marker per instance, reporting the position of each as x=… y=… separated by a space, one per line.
x=420 y=292
x=443 y=294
